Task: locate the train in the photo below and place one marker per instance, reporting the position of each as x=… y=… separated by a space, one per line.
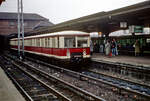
x=64 y=46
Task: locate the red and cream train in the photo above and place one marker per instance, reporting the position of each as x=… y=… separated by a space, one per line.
x=72 y=46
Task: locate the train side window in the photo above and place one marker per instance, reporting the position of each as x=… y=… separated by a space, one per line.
x=16 y=42
x=46 y=42
x=88 y=41
x=35 y=43
x=32 y=44
x=42 y=42
x=53 y=42
x=82 y=41
x=50 y=42
x=61 y=42
x=27 y=42
x=56 y=42
x=69 y=42
x=24 y=42
x=12 y=42
x=21 y=42
x=38 y=42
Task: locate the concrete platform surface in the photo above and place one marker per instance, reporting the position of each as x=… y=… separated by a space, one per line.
x=144 y=61
x=8 y=91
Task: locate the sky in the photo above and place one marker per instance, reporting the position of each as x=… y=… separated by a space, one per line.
x=58 y=11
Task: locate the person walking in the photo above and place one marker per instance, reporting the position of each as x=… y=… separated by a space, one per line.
x=114 y=47
x=91 y=47
x=101 y=48
x=107 y=48
x=137 y=48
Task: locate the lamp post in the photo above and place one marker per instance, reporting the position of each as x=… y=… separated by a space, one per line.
x=20 y=29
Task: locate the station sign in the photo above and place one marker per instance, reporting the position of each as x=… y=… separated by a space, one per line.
x=136 y=29
x=123 y=24
x=148 y=40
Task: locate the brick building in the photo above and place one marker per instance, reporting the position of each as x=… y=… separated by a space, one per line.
x=8 y=22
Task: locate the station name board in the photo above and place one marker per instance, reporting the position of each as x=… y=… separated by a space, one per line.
x=136 y=29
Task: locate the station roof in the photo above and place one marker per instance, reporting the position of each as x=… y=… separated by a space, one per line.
x=105 y=22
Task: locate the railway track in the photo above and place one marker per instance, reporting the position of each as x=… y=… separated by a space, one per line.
x=145 y=89
x=124 y=92
x=32 y=88
x=71 y=92
x=139 y=72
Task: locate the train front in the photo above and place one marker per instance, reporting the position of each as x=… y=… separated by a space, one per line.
x=78 y=48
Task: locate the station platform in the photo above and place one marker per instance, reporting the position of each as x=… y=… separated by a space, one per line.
x=8 y=91
x=133 y=60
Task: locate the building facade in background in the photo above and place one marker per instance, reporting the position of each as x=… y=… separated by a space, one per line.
x=8 y=22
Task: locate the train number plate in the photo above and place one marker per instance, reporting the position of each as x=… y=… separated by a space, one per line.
x=77 y=56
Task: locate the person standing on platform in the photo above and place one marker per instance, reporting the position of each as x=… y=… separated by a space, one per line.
x=107 y=48
x=91 y=47
x=137 y=48
x=101 y=48
x=114 y=47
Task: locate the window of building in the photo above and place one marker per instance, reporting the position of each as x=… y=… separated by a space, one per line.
x=12 y=23
x=25 y=24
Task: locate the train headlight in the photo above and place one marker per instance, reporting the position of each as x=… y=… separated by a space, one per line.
x=84 y=52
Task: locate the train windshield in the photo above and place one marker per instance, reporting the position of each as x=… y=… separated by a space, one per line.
x=82 y=41
x=70 y=42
